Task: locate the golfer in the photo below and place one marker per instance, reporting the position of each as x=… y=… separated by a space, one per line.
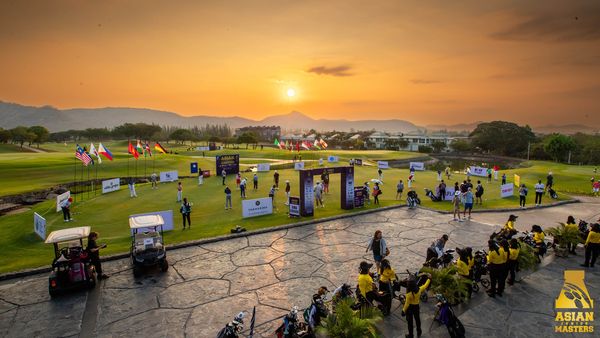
x=223 y=175
x=227 y=198
x=255 y=181
x=399 y=190
x=276 y=179
x=287 y=192
x=539 y=193
x=153 y=179
x=131 y=185
x=65 y=206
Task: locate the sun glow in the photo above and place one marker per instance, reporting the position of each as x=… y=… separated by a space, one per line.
x=291 y=92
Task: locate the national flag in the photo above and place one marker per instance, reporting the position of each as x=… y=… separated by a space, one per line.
x=251 y=334
x=104 y=152
x=88 y=154
x=323 y=143
x=160 y=148
x=297 y=146
x=131 y=149
x=94 y=152
x=316 y=145
x=148 y=151
x=139 y=147
x=81 y=155
x=305 y=146
x=276 y=143
x=288 y=145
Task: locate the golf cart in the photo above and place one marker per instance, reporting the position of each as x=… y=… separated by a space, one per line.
x=147 y=248
x=71 y=268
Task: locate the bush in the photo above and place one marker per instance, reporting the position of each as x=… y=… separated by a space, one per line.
x=346 y=323
x=425 y=149
x=447 y=282
x=564 y=235
x=527 y=259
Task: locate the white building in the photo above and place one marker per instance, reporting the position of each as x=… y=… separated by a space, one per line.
x=381 y=139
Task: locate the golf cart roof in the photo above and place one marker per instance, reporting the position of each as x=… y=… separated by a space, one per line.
x=147 y=221
x=66 y=235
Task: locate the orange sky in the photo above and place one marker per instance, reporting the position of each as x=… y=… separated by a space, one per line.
x=424 y=61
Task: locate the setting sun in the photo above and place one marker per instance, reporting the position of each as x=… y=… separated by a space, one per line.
x=291 y=92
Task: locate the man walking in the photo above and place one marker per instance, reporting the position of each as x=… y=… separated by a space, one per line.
x=227 y=198
x=318 y=190
x=186 y=210
x=539 y=192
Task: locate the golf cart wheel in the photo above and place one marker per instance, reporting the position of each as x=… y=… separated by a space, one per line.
x=485 y=283
x=164 y=266
x=475 y=287
x=137 y=271
x=53 y=293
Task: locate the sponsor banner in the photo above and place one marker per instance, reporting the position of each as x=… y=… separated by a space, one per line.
x=111 y=185
x=167 y=216
x=298 y=165
x=294 y=206
x=333 y=159
x=169 y=176
x=517 y=180
x=383 y=165
x=204 y=148
x=263 y=167
x=257 y=207
x=449 y=194
x=417 y=166
x=348 y=177
x=61 y=198
x=478 y=171
x=39 y=225
x=320 y=161
x=506 y=190
x=357 y=161
x=194 y=167
x=229 y=163
x=359 y=197
x=206 y=173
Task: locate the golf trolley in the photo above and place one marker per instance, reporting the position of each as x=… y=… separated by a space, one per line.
x=147 y=247
x=71 y=268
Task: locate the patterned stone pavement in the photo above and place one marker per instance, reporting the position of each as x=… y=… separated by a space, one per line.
x=207 y=285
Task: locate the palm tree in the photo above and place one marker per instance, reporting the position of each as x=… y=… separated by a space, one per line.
x=348 y=323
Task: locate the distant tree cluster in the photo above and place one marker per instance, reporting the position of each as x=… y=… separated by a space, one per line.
x=21 y=135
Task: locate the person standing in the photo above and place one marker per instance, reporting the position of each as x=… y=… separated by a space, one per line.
x=410 y=180
x=442 y=190
x=387 y=276
x=200 y=176
x=243 y=188
x=592 y=246
x=596 y=188
x=65 y=206
x=379 y=247
x=255 y=181
x=186 y=210
x=399 y=190
x=479 y=193
x=571 y=224
x=131 y=185
x=496 y=259
x=276 y=179
x=318 y=190
x=549 y=181
x=489 y=175
x=227 y=198
x=503 y=179
x=522 y=195
x=411 y=305
x=539 y=193
x=448 y=172
x=326 y=184
x=468 y=203
x=380 y=172
x=287 y=192
x=93 y=250
x=456 y=205
x=513 y=260
x=272 y=194
x=439 y=175
x=367 y=192
x=238 y=180
x=179 y=191
x=153 y=179
x=376 y=193
x=223 y=175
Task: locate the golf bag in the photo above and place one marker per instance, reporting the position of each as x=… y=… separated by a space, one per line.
x=412 y=199
x=552 y=193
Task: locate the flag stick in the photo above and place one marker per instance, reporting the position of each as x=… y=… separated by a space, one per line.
x=74 y=177
x=136 y=167
x=81 y=181
x=145 y=165
x=88 y=181
x=96 y=179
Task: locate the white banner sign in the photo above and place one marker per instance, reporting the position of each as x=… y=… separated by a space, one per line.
x=111 y=185
x=257 y=207
x=263 y=167
x=478 y=171
x=298 y=165
x=383 y=165
x=449 y=194
x=61 y=198
x=417 y=166
x=167 y=216
x=203 y=148
x=39 y=225
x=168 y=176
x=507 y=190
x=333 y=159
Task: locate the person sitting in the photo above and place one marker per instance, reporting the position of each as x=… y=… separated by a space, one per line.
x=366 y=287
x=436 y=250
x=387 y=276
x=509 y=228
x=538 y=237
x=462 y=264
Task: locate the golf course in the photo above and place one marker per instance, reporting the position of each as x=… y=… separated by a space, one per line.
x=24 y=172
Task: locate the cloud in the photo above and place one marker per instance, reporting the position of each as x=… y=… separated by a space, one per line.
x=574 y=24
x=342 y=70
x=424 y=81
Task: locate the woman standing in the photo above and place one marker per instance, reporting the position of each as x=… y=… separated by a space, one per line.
x=179 y=191
x=379 y=247
x=513 y=260
x=496 y=259
x=592 y=246
x=376 y=193
x=186 y=210
x=411 y=305
x=387 y=276
x=572 y=225
x=287 y=192
x=522 y=195
x=94 y=251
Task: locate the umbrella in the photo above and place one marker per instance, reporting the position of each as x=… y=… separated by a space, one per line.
x=376 y=181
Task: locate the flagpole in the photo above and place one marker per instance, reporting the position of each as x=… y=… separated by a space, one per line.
x=96 y=179
x=74 y=176
x=88 y=180
x=81 y=180
x=145 y=175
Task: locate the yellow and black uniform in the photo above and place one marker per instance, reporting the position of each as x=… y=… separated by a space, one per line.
x=411 y=308
x=365 y=285
x=497 y=266
x=464 y=271
x=592 y=248
x=538 y=238
x=470 y=262
x=513 y=263
x=386 y=278
x=574 y=227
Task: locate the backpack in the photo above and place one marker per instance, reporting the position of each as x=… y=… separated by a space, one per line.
x=306 y=313
x=480 y=189
x=525 y=191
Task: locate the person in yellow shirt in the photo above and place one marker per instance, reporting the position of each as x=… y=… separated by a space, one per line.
x=496 y=261
x=411 y=305
x=387 y=276
x=571 y=225
x=513 y=260
x=592 y=246
x=367 y=287
x=538 y=238
x=509 y=228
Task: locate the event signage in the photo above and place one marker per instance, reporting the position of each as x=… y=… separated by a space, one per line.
x=167 y=216
x=307 y=183
x=321 y=161
x=348 y=189
x=449 y=194
x=359 y=197
x=169 y=176
x=203 y=148
x=417 y=166
x=61 y=198
x=357 y=161
x=517 y=180
x=263 y=167
x=333 y=159
x=298 y=165
x=506 y=190
x=383 y=165
x=111 y=185
x=206 y=173
x=39 y=225
x=294 y=206
x=478 y=171
x=257 y=207
x=194 y=167
x=229 y=163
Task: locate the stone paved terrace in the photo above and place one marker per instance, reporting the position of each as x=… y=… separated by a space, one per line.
x=208 y=284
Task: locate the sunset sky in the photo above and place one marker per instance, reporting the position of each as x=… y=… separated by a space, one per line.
x=429 y=62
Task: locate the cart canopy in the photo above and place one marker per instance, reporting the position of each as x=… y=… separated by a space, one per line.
x=66 y=235
x=146 y=221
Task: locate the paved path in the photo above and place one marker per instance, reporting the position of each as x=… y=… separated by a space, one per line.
x=208 y=284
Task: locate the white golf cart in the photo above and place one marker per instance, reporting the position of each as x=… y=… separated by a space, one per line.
x=71 y=268
x=147 y=247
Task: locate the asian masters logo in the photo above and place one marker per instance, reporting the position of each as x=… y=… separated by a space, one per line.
x=574 y=306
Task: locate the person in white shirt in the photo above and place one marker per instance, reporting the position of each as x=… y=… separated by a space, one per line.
x=131 y=185
x=539 y=192
x=318 y=190
x=153 y=179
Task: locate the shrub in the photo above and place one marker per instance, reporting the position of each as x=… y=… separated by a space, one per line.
x=347 y=323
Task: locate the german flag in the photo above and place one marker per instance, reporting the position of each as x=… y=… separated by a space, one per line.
x=160 y=148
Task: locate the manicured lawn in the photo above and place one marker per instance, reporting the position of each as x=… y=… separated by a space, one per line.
x=11 y=148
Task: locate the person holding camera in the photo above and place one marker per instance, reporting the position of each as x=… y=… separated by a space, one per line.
x=93 y=250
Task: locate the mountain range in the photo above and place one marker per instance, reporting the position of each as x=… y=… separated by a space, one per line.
x=12 y=115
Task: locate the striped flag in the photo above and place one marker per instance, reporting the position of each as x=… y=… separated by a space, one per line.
x=81 y=155
x=305 y=145
x=131 y=149
x=148 y=151
x=105 y=152
x=139 y=147
x=94 y=152
x=251 y=334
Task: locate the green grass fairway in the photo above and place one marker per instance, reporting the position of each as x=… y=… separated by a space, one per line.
x=20 y=248
x=11 y=148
